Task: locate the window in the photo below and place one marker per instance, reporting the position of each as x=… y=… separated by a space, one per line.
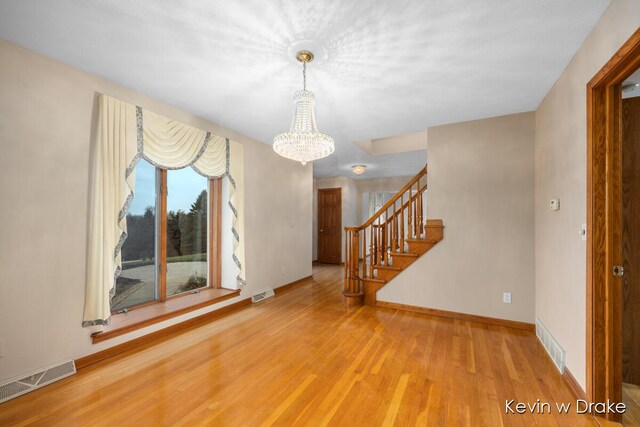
x=136 y=284
x=186 y=228
x=173 y=243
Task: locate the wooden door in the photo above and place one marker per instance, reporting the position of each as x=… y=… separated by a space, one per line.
x=631 y=240
x=330 y=225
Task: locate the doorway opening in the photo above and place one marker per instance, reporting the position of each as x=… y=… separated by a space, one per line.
x=611 y=227
x=630 y=134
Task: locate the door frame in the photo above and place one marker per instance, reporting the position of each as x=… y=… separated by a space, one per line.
x=318 y=226
x=604 y=224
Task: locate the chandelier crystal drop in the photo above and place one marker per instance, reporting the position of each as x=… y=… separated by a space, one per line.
x=303 y=142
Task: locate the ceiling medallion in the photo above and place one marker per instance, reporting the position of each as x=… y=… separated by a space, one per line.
x=303 y=142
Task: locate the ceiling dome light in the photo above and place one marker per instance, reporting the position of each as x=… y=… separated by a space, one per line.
x=303 y=142
x=359 y=169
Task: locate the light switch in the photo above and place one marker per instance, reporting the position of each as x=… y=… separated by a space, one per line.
x=554 y=204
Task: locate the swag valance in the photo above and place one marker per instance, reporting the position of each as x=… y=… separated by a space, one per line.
x=125 y=134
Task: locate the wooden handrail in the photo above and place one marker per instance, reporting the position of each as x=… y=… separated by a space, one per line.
x=391 y=201
x=397 y=213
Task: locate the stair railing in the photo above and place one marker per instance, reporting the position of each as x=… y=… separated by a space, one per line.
x=368 y=246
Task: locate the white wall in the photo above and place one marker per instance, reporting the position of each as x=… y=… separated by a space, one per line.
x=481 y=184
x=561 y=172
x=46 y=114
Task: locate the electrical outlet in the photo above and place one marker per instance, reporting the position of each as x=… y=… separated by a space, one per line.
x=506 y=297
x=554 y=204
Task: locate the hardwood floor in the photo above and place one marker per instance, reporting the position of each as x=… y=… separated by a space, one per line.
x=302 y=358
x=631 y=398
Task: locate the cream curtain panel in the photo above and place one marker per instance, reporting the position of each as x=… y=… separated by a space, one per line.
x=126 y=133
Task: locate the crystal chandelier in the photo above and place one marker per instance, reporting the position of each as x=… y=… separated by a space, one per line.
x=303 y=142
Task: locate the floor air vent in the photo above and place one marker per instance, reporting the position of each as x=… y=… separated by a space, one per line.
x=262 y=295
x=557 y=353
x=40 y=379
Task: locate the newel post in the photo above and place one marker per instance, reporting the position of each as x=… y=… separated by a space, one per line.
x=353 y=295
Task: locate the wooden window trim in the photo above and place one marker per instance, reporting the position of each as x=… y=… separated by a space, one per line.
x=149 y=314
x=215 y=232
x=168 y=306
x=161 y=238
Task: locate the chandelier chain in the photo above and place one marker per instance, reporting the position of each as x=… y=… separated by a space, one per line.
x=304 y=76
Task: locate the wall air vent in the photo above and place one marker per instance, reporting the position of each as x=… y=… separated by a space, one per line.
x=36 y=380
x=557 y=353
x=262 y=295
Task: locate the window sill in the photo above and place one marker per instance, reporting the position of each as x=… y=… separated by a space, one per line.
x=154 y=313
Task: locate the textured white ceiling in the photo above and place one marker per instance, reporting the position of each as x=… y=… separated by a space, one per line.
x=382 y=67
x=634 y=91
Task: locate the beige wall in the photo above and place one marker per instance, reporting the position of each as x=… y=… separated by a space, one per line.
x=395 y=144
x=481 y=184
x=561 y=172
x=46 y=111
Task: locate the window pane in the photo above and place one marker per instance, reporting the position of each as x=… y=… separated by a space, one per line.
x=137 y=281
x=186 y=231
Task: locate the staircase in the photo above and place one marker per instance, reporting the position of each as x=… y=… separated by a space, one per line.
x=388 y=242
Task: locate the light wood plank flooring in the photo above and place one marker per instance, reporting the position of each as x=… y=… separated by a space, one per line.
x=303 y=359
x=631 y=398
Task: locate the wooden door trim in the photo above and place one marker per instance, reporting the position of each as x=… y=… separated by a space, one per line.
x=339 y=189
x=604 y=216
